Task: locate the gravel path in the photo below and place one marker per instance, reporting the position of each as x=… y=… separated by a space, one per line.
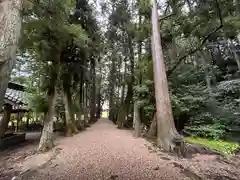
x=103 y=152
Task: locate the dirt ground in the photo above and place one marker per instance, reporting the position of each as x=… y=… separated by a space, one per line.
x=103 y=152
x=11 y=157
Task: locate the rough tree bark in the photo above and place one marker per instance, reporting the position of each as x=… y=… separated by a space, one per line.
x=152 y=132
x=80 y=104
x=71 y=128
x=166 y=131
x=46 y=141
x=136 y=120
x=124 y=109
x=10 y=28
x=5 y=119
x=136 y=108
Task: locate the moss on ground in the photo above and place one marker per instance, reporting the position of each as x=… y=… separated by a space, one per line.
x=224 y=147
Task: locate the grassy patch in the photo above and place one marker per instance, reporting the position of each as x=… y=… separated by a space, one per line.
x=224 y=147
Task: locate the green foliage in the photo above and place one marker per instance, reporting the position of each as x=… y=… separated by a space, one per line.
x=144 y=7
x=56 y=47
x=224 y=147
x=77 y=33
x=209 y=114
x=38 y=103
x=215 y=131
x=145 y=96
x=229 y=87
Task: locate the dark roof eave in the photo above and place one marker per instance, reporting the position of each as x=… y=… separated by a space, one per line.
x=16 y=86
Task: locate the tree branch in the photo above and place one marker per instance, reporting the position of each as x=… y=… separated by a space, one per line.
x=166 y=17
x=165 y=12
x=169 y=72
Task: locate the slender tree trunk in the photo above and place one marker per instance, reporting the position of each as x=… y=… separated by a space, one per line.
x=118 y=91
x=205 y=58
x=70 y=120
x=99 y=111
x=112 y=90
x=206 y=71
x=129 y=97
x=140 y=52
x=152 y=132
x=80 y=104
x=123 y=85
x=81 y=97
x=18 y=119
x=99 y=107
x=46 y=141
x=13 y=128
x=130 y=44
x=121 y=117
x=27 y=122
x=93 y=92
x=136 y=120
x=79 y=109
x=125 y=107
x=136 y=109
x=86 y=111
x=5 y=120
x=81 y=122
x=10 y=28
x=166 y=131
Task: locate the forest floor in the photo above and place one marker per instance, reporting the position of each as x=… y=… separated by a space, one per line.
x=103 y=152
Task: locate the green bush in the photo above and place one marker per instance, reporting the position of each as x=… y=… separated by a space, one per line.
x=214 y=131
